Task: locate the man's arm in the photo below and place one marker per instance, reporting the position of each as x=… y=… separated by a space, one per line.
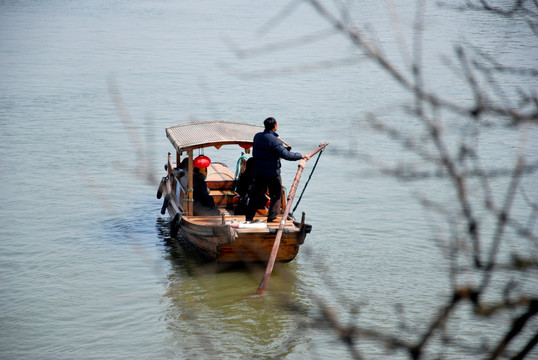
x=286 y=154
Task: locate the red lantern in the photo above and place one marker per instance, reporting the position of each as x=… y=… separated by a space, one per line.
x=202 y=162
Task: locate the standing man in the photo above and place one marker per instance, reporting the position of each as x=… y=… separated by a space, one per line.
x=267 y=151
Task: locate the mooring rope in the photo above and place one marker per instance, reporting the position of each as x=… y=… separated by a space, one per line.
x=307 y=181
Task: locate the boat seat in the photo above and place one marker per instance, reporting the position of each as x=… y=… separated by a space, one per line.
x=223 y=198
x=219 y=177
x=220 y=184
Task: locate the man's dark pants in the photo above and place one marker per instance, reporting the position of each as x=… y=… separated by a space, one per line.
x=261 y=184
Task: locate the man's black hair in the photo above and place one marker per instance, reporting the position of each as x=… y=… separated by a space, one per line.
x=269 y=123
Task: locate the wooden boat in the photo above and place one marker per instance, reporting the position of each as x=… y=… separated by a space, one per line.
x=226 y=237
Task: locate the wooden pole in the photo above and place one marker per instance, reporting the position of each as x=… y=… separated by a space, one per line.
x=276 y=244
x=190 y=186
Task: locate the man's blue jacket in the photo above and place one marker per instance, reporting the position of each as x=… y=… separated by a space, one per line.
x=267 y=151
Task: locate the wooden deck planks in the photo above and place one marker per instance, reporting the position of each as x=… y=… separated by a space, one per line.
x=217 y=220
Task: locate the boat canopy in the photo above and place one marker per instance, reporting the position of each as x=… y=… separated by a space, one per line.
x=199 y=134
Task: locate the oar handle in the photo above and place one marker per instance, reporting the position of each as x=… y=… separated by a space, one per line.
x=320 y=147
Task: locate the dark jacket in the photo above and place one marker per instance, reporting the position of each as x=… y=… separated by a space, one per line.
x=246 y=178
x=267 y=151
x=200 y=190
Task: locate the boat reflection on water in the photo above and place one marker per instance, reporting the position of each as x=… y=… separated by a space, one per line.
x=213 y=310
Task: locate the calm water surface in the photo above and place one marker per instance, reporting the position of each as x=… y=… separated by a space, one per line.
x=87 y=269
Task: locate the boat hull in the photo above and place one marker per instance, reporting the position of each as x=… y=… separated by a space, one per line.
x=225 y=243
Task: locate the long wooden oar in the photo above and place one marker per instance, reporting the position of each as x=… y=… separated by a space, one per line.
x=276 y=244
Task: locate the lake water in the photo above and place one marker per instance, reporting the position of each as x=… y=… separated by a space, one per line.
x=87 y=269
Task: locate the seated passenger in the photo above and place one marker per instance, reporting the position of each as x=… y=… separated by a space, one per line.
x=204 y=205
x=244 y=184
